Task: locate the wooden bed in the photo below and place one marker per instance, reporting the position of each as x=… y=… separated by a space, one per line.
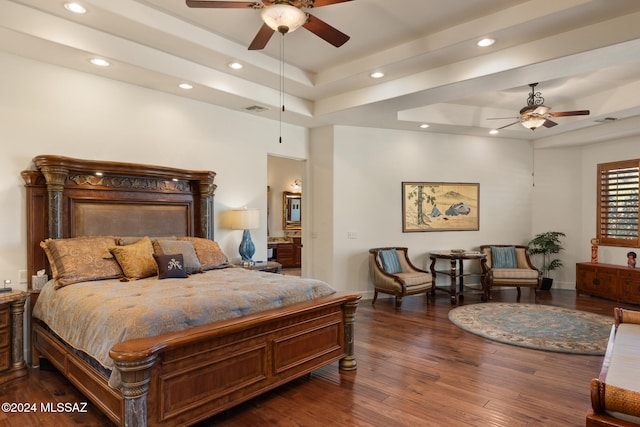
x=183 y=377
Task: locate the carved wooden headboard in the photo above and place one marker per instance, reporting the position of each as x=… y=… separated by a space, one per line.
x=69 y=197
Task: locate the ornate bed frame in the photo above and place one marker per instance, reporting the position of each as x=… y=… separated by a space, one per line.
x=183 y=377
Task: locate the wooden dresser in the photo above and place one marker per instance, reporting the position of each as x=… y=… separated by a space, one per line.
x=289 y=254
x=615 y=282
x=12 y=365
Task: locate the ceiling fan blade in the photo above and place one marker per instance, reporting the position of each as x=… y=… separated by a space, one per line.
x=325 y=31
x=262 y=38
x=221 y=4
x=570 y=113
x=501 y=118
x=506 y=126
x=549 y=124
x=318 y=3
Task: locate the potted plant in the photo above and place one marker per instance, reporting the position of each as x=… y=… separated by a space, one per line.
x=547 y=244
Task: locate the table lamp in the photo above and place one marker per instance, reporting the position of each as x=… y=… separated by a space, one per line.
x=245 y=219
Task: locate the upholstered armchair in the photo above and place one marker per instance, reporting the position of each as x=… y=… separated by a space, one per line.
x=393 y=273
x=510 y=265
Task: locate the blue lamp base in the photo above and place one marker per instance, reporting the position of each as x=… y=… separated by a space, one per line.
x=247 y=248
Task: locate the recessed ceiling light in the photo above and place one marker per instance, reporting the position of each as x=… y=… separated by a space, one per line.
x=486 y=42
x=185 y=86
x=100 y=62
x=377 y=75
x=75 y=8
x=494 y=131
x=235 y=65
x=424 y=126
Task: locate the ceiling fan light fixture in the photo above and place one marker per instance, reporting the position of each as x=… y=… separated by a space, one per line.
x=533 y=122
x=283 y=18
x=541 y=110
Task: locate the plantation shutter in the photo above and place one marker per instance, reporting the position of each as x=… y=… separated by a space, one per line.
x=618 y=203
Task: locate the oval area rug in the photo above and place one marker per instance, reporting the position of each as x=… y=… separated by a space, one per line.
x=540 y=327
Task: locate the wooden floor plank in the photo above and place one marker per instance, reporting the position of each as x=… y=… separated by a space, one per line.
x=414 y=368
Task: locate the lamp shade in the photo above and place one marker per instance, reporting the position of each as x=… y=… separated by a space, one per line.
x=533 y=122
x=283 y=18
x=245 y=219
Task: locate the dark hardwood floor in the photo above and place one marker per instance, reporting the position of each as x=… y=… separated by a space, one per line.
x=415 y=368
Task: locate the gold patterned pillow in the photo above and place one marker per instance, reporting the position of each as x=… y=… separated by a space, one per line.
x=209 y=253
x=80 y=259
x=136 y=259
x=184 y=247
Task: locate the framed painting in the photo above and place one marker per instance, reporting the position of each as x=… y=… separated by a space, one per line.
x=440 y=206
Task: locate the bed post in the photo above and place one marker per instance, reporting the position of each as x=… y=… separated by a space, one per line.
x=348 y=363
x=207 y=188
x=135 y=376
x=55 y=178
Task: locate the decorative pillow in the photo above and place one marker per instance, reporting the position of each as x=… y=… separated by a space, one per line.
x=136 y=260
x=184 y=247
x=170 y=266
x=129 y=240
x=209 y=253
x=503 y=257
x=126 y=241
x=50 y=257
x=390 y=261
x=80 y=259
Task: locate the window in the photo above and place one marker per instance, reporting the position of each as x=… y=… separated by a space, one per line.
x=618 y=203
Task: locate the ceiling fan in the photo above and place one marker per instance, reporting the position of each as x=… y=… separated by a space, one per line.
x=283 y=16
x=536 y=114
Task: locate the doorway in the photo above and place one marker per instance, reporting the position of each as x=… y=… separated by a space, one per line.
x=284 y=199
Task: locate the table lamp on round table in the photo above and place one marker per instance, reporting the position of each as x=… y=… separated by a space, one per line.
x=246 y=219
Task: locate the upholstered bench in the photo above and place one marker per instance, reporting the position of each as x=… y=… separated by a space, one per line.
x=615 y=394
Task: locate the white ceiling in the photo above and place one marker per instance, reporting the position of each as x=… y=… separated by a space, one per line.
x=585 y=54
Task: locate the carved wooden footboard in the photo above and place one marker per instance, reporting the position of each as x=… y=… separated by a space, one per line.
x=183 y=377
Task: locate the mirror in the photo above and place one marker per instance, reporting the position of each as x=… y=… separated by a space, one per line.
x=291 y=210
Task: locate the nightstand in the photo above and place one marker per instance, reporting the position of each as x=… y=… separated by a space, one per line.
x=269 y=266
x=12 y=365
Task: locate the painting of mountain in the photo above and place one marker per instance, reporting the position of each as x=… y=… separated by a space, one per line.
x=440 y=206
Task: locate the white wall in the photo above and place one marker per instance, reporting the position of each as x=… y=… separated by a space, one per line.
x=317 y=255
x=557 y=206
x=369 y=166
x=46 y=109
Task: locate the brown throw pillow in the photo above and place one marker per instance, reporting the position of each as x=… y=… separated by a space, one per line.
x=170 y=266
x=80 y=259
x=209 y=253
x=136 y=260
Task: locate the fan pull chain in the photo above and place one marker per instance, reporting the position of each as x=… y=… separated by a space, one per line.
x=281 y=84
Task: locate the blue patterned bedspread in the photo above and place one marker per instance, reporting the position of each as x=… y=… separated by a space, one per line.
x=94 y=316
